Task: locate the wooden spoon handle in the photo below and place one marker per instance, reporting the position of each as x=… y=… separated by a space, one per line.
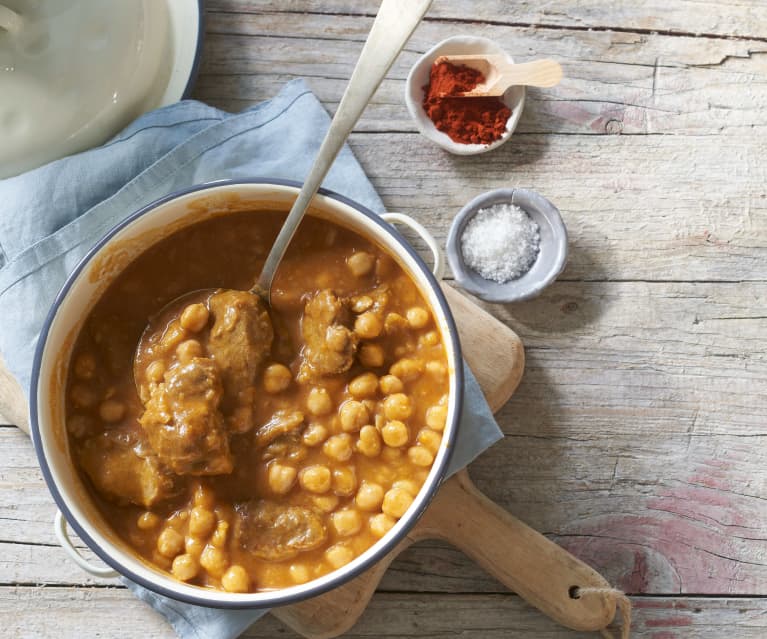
x=525 y=561
x=538 y=73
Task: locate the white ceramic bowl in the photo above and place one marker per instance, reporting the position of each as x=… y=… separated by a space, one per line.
x=82 y=290
x=418 y=78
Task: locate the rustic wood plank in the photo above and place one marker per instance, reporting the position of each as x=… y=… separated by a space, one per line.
x=708 y=17
x=614 y=82
x=668 y=220
x=395 y=616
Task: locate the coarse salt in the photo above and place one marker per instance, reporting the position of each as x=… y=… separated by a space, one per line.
x=500 y=242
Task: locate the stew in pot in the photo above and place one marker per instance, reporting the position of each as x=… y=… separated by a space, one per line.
x=257 y=448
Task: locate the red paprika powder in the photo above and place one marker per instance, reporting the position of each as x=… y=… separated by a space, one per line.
x=465 y=120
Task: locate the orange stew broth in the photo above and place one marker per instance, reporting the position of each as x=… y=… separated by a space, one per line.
x=227 y=252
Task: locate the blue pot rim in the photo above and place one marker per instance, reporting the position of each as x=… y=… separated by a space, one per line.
x=273 y=598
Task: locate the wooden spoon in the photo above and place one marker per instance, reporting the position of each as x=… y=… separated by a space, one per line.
x=500 y=74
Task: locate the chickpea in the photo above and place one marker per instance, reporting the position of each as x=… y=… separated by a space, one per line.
x=215 y=561
x=194 y=318
x=173 y=336
x=160 y=560
x=202 y=522
x=417 y=317
x=277 y=378
x=360 y=263
x=390 y=384
x=395 y=434
x=396 y=502
x=85 y=366
x=111 y=410
x=187 y=350
x=430 y=338
x=429 y=439
x=281 y=477
x=236 y=579
x=318 y=402
x=353 y=415
x=364 y=385
x=170 y=542
x=368 y=325
x=147 y=521
x=408 y=485
x=407 y=369
x=194 y=546
x=346 y=522
x=204 y=496
x=299 y=573
x=325 y=503
x=394 y=322
x=218 y=539
x=83 y=396
x=339 y=555
x=315 y=479
x=371 y=356
x=390 y=456
x=185 y=567
x=397 y=406
x=80 y=425
x=361 y=303
x=436 y=369
x=436 y=416
x=315 y=434
x=380 y=524
x=338 y=447
x=344 y=481
x=369 y=443
x=420 y=456
x=155 y=371
x=369 y=496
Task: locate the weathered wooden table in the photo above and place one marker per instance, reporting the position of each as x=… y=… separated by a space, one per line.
x=637 y=438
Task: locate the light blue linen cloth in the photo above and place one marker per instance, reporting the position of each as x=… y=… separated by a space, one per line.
x=50 y=217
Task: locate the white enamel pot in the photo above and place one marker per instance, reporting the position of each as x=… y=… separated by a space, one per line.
x=94 y=274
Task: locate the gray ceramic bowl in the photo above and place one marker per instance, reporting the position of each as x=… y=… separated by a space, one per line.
x=548 y=265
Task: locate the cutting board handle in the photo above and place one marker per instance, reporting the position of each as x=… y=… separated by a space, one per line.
x=534 y=567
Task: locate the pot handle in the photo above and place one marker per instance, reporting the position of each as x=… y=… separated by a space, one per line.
x=438 y=268
x=62 y=534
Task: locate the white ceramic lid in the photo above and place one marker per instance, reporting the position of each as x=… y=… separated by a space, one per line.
x=75 y=72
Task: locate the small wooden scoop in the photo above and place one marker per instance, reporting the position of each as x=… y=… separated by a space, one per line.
x=500 y=74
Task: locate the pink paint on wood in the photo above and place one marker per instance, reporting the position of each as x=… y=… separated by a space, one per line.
x=704 y=538
x=668 y=621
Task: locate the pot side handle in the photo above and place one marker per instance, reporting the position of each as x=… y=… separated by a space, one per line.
x=438 y=268
x=62 y=535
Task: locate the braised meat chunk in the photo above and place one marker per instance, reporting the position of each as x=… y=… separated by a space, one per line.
x=281 y=423
x=240 y=340
x=119 y=473
x=329 y=343
x=275 y=532
x=183 y=422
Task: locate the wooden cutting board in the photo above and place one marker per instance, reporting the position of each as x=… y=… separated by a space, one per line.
x=535 y=568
